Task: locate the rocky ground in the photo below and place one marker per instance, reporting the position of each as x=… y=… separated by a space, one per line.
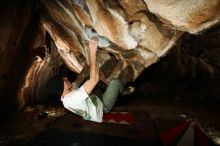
x=21 y=127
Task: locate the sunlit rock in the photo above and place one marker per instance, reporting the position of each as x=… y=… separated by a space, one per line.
x=192 y=16
x=33 y=89
x=130 y=37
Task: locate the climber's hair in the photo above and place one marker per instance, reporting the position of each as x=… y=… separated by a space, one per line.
x=66 y=72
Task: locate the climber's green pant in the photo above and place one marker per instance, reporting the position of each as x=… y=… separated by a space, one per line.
x=110 y=95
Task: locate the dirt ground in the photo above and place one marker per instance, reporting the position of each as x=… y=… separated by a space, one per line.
x=24 y=125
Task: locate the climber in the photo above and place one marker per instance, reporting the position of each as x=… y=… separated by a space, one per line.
x=82 y=101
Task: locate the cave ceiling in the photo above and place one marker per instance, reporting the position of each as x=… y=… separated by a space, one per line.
x=39 y=37
x=133 y=34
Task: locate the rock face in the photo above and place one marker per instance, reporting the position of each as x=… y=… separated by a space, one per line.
x=192 y=16
x=17 y=31
x=133 y=35
x=190 y=71
x=130 y=37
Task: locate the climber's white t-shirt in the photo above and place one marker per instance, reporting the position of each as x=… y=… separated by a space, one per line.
x=79 y=102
